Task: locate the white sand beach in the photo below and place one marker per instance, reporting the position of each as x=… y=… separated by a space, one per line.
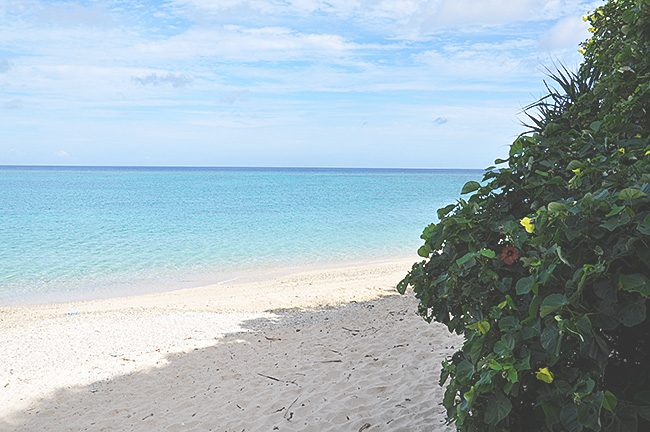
x=332 y=349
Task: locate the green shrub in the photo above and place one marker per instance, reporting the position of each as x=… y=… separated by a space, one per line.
x=545 y=267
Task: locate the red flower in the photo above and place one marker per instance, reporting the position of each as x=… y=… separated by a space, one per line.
x=509 y=255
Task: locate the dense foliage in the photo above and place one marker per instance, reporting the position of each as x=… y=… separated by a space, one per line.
x=545 y=267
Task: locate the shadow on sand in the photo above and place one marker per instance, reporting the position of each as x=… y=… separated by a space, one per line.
x=363 y=366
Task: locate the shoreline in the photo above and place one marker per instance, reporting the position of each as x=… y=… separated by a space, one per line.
x=192 y=281
x=329 y=349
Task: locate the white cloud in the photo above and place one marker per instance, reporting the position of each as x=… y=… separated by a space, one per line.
x=175 y=80
x=15 y=104
x=62 y=154
x=235 y=96
x=5 y=66
x=66 y=14
x=567 y=33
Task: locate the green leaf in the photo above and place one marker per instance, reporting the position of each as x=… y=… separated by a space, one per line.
x=524 y=285
x=467 y=257
x=470 y=186
x=469 y=396
x=488 y=253
x=556 y=207
x=445 y=210
x=630 y=194
x=512 y=375
x=509 y=324
x=498 y=408
x=551 y=339
x=569 y=417
x=464 y=370
x=552 y=303
x=505 y=346
x=635 y=283
x=609 y=401
x=484 y=326
x=615 y=210
x=575 y=164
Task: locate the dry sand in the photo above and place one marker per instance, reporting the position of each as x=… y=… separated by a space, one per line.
x=316 y=350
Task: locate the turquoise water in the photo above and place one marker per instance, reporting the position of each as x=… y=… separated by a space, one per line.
x=85 y=232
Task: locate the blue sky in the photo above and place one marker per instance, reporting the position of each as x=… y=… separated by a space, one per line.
x=340 y=83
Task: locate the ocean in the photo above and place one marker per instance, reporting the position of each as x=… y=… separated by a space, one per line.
x=74 y=233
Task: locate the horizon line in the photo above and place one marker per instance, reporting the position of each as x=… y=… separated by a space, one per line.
x=232 y=166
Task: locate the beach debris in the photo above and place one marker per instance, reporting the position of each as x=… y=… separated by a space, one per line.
x=72 y=313
x=290 y=412
x=353 y=331
x=364 y=427
x=147 y=416
x=272 y=338
x=332 y=361
x=270 y=377
x=277 y=379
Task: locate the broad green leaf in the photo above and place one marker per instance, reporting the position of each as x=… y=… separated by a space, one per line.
x=632 y=313
x=505 y=346
x=401 y=287
x=509 y=324
x=512 y=375
x=469 y=396
x=488 y=253
x=470 y=186
x=551 y=303
x=467 y=257
x=524 y=285
x=575 y=164
x=615 y=210
x=498 y=408
x=569 y=418
x=609 y=401
x=445 y=211
x=484 y=326
x=635 y=283
x=556 y=207
x=551 y=339
x=630 y=194
x=464 y=370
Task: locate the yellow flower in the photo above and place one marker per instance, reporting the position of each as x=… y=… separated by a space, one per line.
x=591 y=29
x=585 y=18
x=637 y=136
x=647 y=153
x=545 y=375
x=577 y=170
x=581 y=51
x=622 y=150
x=528 y=224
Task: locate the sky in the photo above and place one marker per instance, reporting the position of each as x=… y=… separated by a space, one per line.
x=314 y=83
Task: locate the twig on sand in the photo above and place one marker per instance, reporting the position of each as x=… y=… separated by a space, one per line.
x=270 y=377
x=354 y=332
x=277 y=379
x=364 y=427
x=287 y=412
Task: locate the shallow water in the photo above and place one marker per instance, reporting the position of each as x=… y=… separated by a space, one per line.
x=80 y=232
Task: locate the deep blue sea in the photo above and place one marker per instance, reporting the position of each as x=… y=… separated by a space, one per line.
x=70 y=233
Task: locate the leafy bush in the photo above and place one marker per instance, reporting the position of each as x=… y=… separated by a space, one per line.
x=545 y=268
